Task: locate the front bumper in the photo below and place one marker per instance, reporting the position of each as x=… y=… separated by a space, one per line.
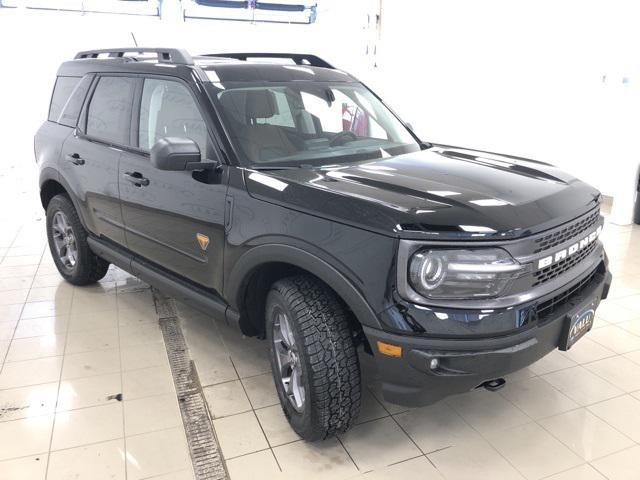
x=464 y=364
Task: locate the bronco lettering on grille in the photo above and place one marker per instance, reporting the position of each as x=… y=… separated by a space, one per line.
x=567 y=252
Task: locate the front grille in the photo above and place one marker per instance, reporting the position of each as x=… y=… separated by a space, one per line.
x=565 y=233
x=552 y=271
x=544 y=310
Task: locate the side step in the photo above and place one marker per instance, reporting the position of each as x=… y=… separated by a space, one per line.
x=171 y=284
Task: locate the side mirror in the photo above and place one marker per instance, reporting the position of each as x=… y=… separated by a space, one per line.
x=174 y=154
x=179 y=154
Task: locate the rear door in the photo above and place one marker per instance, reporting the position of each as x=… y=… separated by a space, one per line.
x=91 y=154
x=173 y=219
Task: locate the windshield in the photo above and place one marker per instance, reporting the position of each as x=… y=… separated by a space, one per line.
x=310 y=123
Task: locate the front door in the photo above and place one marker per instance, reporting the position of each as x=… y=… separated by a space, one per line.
x=173 y=219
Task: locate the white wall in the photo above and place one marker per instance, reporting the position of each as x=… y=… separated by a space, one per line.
x=522 y=77
x=33 y=43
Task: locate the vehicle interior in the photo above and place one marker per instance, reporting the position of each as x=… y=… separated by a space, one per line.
x=292 y=123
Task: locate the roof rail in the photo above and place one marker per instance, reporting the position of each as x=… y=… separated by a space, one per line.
x=298 y=58
x=165 y=55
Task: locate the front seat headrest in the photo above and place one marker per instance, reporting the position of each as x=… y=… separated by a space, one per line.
x=261 y=104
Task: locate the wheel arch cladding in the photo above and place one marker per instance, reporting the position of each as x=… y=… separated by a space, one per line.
x=52 y=184
x=257 y=269
x=49 y=189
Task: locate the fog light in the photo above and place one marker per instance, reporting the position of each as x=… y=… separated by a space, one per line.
x=434 y=363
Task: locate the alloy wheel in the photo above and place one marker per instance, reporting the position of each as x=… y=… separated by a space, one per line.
x=288 y=360
x=64 y=240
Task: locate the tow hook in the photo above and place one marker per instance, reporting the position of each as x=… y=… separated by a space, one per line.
x=494 y=385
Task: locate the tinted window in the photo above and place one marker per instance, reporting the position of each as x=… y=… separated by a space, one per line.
x=61 y=93
x=71 y=110
x=109 y=115
x=168 y=110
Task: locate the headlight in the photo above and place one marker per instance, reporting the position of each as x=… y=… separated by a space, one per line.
x=454 y=274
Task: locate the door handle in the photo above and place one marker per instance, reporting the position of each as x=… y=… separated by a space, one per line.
x=75 y=159
x=136 y=178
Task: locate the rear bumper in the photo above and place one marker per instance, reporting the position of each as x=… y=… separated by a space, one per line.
x=464 y=364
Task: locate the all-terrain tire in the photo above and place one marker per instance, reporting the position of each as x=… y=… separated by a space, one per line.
x=327 y=352
x=89 y=268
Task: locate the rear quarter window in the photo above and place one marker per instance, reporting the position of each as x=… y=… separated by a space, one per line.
x=72 y=108
x=61 y=93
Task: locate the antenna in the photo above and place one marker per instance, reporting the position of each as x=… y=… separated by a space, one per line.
x=135 y=42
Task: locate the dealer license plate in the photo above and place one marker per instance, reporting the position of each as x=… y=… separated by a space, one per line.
x=577 y=324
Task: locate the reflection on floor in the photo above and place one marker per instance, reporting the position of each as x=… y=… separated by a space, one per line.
x=66 y=353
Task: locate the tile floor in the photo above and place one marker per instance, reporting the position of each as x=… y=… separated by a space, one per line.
x=66 y=353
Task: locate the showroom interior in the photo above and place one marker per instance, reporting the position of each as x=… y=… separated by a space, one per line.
x=123 y=378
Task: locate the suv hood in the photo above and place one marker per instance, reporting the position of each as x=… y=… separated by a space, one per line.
x=439 y=193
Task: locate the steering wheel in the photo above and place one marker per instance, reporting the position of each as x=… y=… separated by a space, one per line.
x=344 y=136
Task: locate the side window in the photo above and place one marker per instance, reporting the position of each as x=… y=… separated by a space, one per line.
x=61 y=93
x=167 y=109
x=109 y=114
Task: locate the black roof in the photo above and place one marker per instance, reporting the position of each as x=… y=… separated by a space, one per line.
x=226 y=67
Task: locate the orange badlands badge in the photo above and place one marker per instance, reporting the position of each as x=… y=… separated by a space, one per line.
x=203 y=240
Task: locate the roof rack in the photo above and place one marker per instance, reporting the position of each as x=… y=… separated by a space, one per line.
x=165 y=55
x=298 y=58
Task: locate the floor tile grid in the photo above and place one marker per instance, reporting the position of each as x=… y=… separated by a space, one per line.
x=124 y=430
x=59 y=378
x=338 y=437
x=126 y=401
x=215 y=324
x=53 y=428
x=621 y=395
x=253 y=410
x=429 y=454
x=12 y=337
x=423 y=453
x=20 y=315
x=538 y=422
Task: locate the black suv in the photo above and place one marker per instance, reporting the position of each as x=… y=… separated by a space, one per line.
x=285 y=197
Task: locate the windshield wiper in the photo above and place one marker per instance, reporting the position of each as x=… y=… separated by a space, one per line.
x=262 y=168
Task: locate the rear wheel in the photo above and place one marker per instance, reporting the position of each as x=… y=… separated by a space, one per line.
x=68 y=244
x=313 y=357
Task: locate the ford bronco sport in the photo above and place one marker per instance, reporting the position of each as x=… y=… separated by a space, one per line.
x=287 y=199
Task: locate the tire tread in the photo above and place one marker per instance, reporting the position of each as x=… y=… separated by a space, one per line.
x=331 y=354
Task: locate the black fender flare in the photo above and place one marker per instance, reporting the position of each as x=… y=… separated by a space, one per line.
x=47 y=174
x=51 y=174
x=237 y=280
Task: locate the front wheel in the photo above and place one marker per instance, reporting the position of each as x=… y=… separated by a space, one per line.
x=313 y=357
